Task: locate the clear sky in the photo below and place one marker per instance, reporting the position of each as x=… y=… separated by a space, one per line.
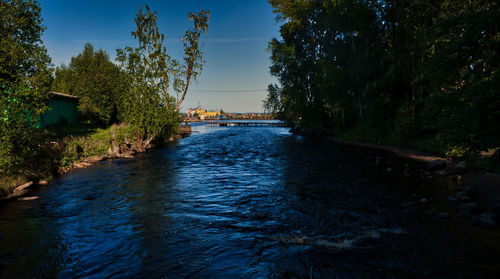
x=234 y=48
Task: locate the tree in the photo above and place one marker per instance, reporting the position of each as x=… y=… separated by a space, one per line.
x=25 y=77
x=97 y=81
x=440 y=75
x=152 y=72
x=192 y=54
x=327 y=56
x=421 y=73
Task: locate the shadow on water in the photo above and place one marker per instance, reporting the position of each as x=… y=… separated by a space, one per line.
x=231 y=202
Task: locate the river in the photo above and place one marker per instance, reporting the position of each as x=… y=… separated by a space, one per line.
x=234 y=202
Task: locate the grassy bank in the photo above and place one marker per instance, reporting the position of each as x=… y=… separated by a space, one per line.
x=63 y=148
x=82 y=142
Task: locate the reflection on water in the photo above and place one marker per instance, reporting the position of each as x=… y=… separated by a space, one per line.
x=226 y=202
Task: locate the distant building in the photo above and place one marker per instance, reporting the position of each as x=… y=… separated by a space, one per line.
x=63 y=110
x=202 y=113
x=191 y=112
x=212 y=114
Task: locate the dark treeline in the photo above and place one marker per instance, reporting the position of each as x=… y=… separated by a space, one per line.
x=417 y=73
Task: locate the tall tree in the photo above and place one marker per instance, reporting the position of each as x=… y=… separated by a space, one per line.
x=325 y=60
x=193 y=57
x=151 y=109
x=97 y=81
x=25 y=77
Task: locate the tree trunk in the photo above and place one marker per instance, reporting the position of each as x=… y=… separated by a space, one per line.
x=188 y=79
x=146 y=142
x=143 y=144
x=139 y=141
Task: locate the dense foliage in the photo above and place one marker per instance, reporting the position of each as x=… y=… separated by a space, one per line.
x=150 y=108
x=24 y=82
x=136 y=92
x=420 y=73
x=97 y=81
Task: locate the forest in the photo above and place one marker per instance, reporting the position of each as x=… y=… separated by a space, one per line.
x=422 y=74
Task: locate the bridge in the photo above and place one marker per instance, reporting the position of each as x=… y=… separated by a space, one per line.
x=244 y=124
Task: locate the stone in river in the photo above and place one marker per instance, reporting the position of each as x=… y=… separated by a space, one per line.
x=28 y=198
x=451 y=199
x=443 y=216
x=457 y=168
x=485 y=220
x=467 y=209
x=437 y=164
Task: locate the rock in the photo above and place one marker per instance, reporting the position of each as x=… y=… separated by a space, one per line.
x=24 y=186
x=465 y=199
x=28 y=198
x=461 y=194
x=43 y=182
x=440 y=173
x=410 y=211
x=94 y=159
x=115 y=147
x=485 y=220
x=443 y=216
x=471 y=192
x=15 y=194
x=467 y=209
x=81 y=165
x=457 y=168
x=423 y=200
x=19 y=191
x=170 y=139
x=114 y=150
x=124 y=148
x=412 y=203
x=407 y=170
x=465 y=196
x=431 y=212
x=437 y=164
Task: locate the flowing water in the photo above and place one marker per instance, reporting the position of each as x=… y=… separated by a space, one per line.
x=230 y=202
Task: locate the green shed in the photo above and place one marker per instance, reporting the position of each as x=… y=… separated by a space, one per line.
x=63 y=110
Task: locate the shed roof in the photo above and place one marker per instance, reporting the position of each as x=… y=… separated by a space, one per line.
x=63 y=95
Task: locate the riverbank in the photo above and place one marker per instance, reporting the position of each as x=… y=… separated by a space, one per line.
x=474 y=198
x=65 y=154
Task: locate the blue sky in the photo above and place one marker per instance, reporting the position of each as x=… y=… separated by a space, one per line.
x=234 y=48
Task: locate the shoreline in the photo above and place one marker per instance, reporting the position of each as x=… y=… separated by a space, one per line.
x=475 y=198
x=404 y=152
x=116 y=151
